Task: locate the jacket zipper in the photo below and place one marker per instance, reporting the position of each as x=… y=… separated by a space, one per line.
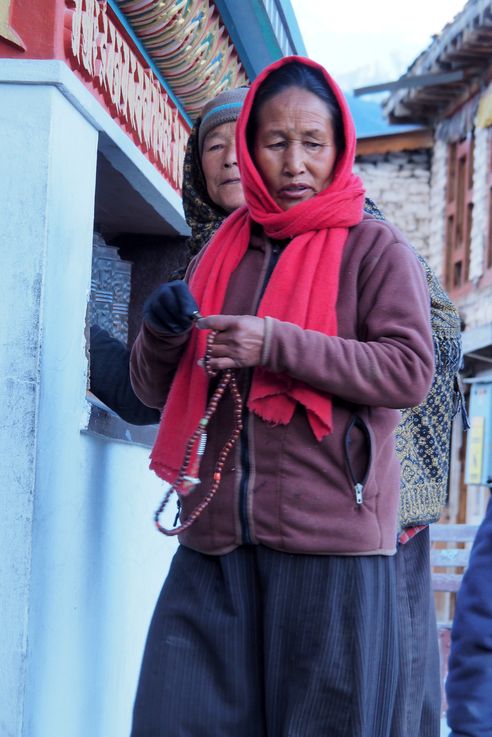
x=244 y=436
x=245 y=469
x=358 y=486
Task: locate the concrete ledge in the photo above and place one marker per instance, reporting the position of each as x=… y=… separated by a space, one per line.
x=118 y=148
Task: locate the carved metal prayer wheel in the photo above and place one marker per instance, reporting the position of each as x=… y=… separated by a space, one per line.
x=110 y=289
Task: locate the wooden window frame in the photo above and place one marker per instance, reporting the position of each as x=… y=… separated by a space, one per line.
x=459 y=215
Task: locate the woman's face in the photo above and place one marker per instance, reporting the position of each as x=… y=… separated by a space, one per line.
x=219 y=165
x=294 y=147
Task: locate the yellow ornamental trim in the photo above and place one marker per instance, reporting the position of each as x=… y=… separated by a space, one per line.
x=484 y=112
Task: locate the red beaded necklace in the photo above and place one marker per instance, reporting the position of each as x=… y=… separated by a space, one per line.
x=188 y=478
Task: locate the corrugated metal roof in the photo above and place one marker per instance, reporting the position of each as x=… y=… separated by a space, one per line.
x=370 y=120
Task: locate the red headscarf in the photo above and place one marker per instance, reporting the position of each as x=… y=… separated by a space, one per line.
x=303 y=288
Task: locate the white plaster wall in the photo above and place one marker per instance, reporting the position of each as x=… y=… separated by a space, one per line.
x=25 y=131
x=100 y=568
x=80 y=562
x=480 y=220
x=476 y=306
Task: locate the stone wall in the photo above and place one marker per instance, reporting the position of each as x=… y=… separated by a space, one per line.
x=437 y=234
x=399 y=184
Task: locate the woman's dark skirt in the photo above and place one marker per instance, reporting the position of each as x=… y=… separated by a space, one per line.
x=258 y=643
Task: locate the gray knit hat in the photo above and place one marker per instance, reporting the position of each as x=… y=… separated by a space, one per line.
x=224 y=108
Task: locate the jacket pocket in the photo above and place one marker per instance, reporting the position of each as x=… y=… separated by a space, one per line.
x=358 y=453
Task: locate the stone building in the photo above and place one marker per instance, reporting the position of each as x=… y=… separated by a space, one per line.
x=448 y=89
x=394 y=162
x=96 y=103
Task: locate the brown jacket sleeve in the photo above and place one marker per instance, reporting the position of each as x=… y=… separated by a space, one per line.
x=390 y=362
x=154 y=358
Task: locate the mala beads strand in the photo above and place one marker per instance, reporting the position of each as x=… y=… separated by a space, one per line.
x=188 y=477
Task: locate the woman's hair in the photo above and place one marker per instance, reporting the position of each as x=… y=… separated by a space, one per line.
x=296 y=74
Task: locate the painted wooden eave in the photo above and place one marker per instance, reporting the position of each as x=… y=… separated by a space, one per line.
x=203 y=47
x=421 y=138
x=188 y=44
x=465 y=44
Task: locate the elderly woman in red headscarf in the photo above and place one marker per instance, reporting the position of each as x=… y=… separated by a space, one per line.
x=278 y=616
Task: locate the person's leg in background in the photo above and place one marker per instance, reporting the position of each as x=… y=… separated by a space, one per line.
x=418 y=701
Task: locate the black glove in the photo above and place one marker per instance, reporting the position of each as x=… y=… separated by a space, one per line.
x=171 y=307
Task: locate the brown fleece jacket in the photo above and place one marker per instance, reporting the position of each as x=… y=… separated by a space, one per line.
x=282 y=488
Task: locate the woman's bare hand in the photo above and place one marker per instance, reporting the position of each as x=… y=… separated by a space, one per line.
x=239 y=340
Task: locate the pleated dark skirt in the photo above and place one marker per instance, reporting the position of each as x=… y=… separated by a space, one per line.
x=258 y=643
